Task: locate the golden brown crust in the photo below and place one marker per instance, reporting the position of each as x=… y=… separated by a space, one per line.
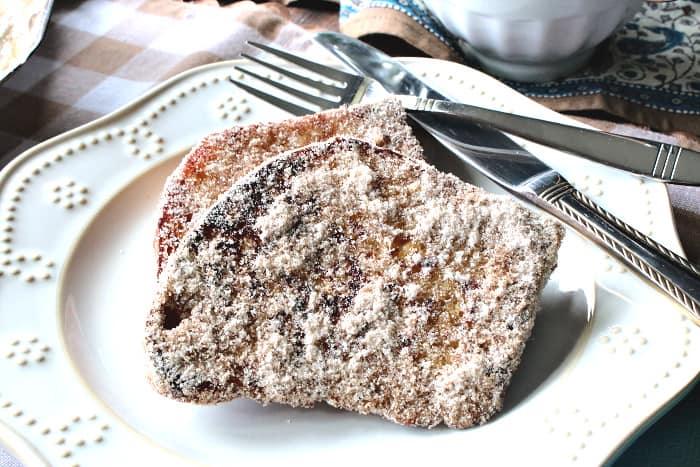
x=347 y=273
x=222 y=158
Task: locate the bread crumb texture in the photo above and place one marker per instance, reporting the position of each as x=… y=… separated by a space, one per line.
x=351 y=274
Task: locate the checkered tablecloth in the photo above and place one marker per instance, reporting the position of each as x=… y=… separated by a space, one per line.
x=8 y=461
x=97 y=55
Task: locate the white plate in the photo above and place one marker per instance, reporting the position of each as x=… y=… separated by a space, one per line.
x=76 y=275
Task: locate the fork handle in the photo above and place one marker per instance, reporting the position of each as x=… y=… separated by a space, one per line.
x=670 y=272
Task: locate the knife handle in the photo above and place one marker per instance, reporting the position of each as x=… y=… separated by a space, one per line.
x=670 y=272
x=673 y=164
x=662 y=162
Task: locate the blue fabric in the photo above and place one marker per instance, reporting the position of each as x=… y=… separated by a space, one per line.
x=650 y=61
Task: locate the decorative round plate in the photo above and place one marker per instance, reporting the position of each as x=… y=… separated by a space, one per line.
x=77 y=218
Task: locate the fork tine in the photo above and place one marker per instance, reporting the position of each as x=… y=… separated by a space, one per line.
x=316 y=100
x=302 y=62
x=313 y=83
x=276 y=101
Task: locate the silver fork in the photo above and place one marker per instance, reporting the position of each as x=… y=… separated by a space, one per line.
x=351 y=91
x=513 y=168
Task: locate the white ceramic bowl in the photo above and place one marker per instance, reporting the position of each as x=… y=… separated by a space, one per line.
x=532 y=40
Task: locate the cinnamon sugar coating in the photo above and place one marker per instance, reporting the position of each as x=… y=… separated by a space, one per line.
x=351 y=274
x=221 y=158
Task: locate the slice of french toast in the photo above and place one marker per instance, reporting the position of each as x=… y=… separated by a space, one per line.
x=220 y=159
x=351 y=274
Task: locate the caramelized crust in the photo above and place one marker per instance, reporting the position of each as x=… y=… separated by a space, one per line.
x=350 y=274
x=222 y=158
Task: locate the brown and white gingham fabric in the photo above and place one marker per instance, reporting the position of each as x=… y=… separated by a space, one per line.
x=97 y=55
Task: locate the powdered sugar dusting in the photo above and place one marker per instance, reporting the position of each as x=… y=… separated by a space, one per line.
x=222 y=158
x=350 y=274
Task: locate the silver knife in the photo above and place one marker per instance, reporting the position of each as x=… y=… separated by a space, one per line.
x=528 y=178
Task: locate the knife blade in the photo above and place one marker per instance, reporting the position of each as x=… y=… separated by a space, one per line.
x=526 y=177
x=663 y=162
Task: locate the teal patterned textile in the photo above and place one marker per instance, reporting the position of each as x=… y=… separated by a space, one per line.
x=652 y=61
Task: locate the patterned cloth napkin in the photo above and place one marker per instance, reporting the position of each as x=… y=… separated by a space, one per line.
x=647 y=73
